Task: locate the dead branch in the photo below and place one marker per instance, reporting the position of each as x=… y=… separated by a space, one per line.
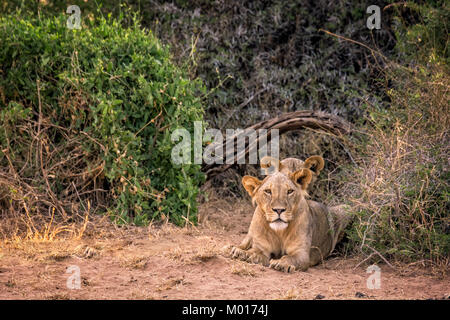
x=317 y=120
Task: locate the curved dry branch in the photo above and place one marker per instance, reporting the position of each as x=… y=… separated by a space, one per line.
x=316 y=120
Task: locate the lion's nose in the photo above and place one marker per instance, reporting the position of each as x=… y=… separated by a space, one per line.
x=279 y=210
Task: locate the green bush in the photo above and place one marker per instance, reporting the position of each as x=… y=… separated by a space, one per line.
x=426 y=40
x=88 y=115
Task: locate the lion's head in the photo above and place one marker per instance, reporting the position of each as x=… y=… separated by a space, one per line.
x=288 y=165
x=279 y=195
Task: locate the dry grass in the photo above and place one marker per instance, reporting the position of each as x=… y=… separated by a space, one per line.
x=400 y=188
x=56 y=250
x=243 y=269
x=85 y=251
x=30 y=177
x=142 y=294
x=175 y=254
x=57 y=296
x=398 y=184
x=164 y=228
x=291 y=294
x=204 y=253
x=37 y=228
x=134 y=262
x=190 y=257
x=171 y=283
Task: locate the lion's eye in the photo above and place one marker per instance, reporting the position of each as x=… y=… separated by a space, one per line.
x=290 y=191
x=268 y=191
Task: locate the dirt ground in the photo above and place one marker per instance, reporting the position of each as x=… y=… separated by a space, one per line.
x=166 y=262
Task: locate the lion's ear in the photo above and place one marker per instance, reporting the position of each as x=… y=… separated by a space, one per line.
x=251 y=184
x=315 y=164
x=302 y=177
x=269 y=162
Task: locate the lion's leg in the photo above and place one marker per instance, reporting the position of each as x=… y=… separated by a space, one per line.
x=252 y=255
x=297 y=258
x=259 y=251
x=291 y=262
x=250 y=251
x=246 y=243
x=240 y=251
x=255 y=255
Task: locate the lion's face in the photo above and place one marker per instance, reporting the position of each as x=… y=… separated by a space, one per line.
x=279 y=195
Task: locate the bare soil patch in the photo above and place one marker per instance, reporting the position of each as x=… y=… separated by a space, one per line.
x=166 y=262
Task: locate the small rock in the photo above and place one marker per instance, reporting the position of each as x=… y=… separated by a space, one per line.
x=319 y=297
x=360 y=295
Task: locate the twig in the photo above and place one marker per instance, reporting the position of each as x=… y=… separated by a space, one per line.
x=151 y=121
x=40 y=155
x=79 y=198
x=347 y=152
x=95 y=140
x=373 y=51
x=381 y=256
x=356 y=42
x=370 y=256
x=404 y=3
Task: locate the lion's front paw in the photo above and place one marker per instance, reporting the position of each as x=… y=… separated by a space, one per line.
x=238 y=253
x=282 y=265
x=258 y=258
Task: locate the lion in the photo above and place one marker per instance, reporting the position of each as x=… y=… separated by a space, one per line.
x=287 y=231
